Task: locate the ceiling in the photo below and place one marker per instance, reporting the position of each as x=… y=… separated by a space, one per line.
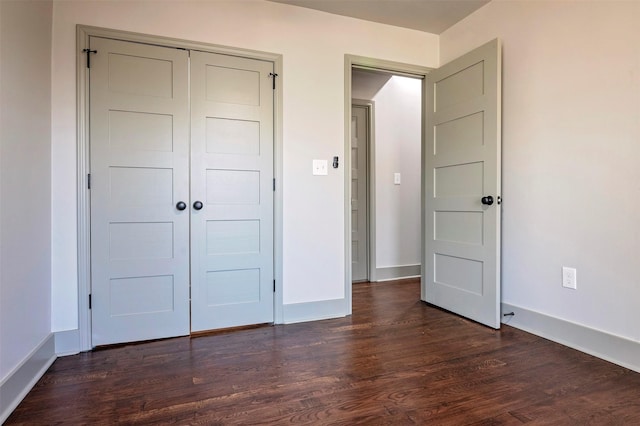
x=432 y=16
x=367 y=84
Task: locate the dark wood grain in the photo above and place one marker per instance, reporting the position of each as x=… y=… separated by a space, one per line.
x=396 y=361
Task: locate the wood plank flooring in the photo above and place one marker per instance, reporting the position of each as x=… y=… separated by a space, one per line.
x=396 y=361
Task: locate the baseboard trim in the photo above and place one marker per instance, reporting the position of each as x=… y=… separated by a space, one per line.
x=397 y=272
x=67 y=342
x=313 y=311
x=23 y=378
x=616 y=349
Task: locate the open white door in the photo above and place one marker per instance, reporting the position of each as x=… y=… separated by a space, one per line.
x=463 y=185
x=359 y=193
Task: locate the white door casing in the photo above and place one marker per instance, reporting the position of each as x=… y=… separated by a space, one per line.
x=139 y=131
x=359 y=192
x=232 y=276
x=463 y=163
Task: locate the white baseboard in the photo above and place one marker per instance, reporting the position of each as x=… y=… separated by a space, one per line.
x=612 y=348
x=67 y=342
x=19 y=382
x=397 y=272
x=313 y=311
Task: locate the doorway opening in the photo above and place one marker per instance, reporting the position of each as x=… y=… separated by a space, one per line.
x=460 y=173
x=384 y=184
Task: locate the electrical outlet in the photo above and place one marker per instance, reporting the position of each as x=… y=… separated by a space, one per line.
x=569 y=278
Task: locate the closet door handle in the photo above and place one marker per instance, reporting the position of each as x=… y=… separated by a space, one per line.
x=198 y=205
x=181 y=205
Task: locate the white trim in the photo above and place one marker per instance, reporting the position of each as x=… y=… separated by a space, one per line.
x=313 y=311
x=173 y=42
x=348 y=71
x=616 y=349
x=351 y=61
x=423 y=193
x=83 y=200
x=23 y=378
x=388 y=273
x=67 y=342
x=386 y=67
x=379 y=70
x=84 y=257
x=278 y=174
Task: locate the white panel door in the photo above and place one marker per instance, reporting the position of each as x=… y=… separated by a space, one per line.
x=463 y=185
x=359 y=189
x=232 y=191
x=139 y=142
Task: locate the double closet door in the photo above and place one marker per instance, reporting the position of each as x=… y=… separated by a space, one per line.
x=181 y=172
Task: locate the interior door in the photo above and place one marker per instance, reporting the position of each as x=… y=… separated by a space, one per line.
x=139 y=162
x=359 y=189
x=232 y=180
x=463 y=185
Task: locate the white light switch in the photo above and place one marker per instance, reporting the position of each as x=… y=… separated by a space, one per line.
x=396 y=179
x=320 y=167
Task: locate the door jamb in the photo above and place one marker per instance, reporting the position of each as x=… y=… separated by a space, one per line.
x=351 y=61
x=83 y=33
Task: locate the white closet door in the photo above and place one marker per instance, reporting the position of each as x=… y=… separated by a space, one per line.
x=139 y=130
x=231 y=191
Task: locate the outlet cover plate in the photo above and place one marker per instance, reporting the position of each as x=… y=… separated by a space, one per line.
x=569 y=278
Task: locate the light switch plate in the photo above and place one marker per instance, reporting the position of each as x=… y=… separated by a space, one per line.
x=396 y=179
x=320 y=167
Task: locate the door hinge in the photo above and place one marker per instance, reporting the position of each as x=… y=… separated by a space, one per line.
x=274 y=286
x=274 y=184
x=88 y=180
x=273 y=76
x=89 y=52
x=89 y=301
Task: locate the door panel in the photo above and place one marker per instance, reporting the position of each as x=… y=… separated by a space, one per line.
x=359 y=193
x=139 y=132
x=232 y=174
x=463 y=165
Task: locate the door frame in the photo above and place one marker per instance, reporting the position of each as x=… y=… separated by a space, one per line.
x=83 y=33
x=395 y=68
x=370 y=106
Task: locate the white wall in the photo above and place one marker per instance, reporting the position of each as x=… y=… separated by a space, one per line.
x=25 y=146
x=571 y=155
x=313 y=45
x=398 y=124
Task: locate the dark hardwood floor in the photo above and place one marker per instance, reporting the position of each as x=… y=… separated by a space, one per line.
x=396 y=361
